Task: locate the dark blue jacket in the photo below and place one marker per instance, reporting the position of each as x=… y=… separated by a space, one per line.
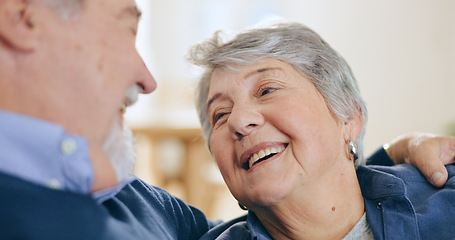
x=138 y=211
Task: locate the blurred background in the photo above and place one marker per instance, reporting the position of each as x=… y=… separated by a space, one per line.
x=401 y=52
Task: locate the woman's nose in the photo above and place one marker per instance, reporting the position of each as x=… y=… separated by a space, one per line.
x=244 y=120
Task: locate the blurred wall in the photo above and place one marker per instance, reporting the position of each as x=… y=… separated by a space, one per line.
x=401 y=52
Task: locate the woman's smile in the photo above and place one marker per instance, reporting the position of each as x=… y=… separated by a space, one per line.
x=267 y=153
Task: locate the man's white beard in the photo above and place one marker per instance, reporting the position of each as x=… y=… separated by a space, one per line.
x=119 y=147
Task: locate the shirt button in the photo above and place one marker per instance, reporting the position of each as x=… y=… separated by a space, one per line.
x=68 y=146
x=53 y=183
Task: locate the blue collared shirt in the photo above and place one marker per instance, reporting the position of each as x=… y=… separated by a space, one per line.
x=43 y=153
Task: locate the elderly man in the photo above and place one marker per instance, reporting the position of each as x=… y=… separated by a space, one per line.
x=68 y=70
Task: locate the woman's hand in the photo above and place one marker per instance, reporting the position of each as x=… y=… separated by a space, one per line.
x=428 y=152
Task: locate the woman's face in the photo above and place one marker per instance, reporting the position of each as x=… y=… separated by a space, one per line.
x=273 y=134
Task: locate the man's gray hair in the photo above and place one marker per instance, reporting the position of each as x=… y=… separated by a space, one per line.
x=295 y=44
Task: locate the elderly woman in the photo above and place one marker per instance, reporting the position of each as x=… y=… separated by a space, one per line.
x=284 y=120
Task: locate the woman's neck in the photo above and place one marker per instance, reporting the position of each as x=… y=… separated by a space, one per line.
x=328 y=210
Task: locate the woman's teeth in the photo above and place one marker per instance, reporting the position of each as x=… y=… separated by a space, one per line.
x=264 y=154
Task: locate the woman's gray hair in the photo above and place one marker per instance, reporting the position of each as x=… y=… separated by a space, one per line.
x=295 y=44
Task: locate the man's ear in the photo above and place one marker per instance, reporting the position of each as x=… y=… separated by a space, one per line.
x=17 y=27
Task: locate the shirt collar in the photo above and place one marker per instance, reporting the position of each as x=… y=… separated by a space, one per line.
x=106 y=194
x=379 y=182
x=257 y=230
x=43 y=153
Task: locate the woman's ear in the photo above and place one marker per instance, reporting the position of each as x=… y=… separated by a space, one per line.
x=353 y=127
x=18 y=29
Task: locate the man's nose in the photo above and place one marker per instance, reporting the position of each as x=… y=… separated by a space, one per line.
x=146 y=81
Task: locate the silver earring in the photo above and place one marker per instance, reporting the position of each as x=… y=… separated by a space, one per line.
x=353 y=150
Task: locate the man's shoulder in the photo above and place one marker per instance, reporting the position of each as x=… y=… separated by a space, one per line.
x=51 y=214
x=140 y=190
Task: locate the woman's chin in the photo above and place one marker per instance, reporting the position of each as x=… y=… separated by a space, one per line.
x=267 y=196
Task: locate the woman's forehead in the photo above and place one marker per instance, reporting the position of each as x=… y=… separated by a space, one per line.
x=266 y=67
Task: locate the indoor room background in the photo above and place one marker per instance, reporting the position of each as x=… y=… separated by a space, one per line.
x=401 y=52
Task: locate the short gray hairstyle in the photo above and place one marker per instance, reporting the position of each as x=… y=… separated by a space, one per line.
x=295 y=44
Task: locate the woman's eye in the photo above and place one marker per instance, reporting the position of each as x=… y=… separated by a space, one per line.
x=266 y=91
x=218 y=116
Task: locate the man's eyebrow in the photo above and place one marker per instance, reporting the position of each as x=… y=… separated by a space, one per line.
x=136 y=11
x=132 y=11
